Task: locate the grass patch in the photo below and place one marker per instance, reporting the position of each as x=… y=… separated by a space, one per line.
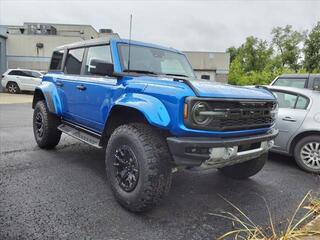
x=246 y=229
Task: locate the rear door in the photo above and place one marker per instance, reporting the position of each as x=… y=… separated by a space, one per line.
x=17 y=76
x=292 y=112
x=69 y=84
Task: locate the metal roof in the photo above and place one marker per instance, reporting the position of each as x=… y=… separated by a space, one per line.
x=304 y=91
x=298 y=75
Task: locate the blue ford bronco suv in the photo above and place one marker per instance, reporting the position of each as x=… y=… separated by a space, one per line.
x=143 y=105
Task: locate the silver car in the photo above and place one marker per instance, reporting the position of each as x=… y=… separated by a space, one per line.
x=299 y=126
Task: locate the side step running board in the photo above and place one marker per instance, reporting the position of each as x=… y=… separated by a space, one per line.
x=80 y=134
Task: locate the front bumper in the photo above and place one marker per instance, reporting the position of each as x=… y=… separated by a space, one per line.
x=219 y=152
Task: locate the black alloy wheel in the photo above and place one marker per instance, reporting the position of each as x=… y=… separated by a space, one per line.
x=126 y=168
x=39 y=124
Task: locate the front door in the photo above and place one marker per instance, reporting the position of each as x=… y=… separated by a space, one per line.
x=97 y=91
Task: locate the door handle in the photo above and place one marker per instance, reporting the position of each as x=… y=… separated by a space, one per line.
x=289 y=119
x=59 y=84
x=81 y=87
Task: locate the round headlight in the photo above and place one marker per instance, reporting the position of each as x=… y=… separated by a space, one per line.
x=198 y=113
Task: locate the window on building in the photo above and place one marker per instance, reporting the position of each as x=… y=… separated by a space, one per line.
x=56 y=60
x=101 y=53
x=74 y=61
x=205 y=77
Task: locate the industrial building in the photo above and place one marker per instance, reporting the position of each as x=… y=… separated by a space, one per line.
x=212 y=66
x=30 y=46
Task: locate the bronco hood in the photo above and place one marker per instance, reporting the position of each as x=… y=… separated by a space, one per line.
x=218 y=90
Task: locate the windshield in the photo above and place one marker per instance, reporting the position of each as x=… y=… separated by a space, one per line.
x=154 y=61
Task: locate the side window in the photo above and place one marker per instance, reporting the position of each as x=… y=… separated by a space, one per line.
x=286 y=100
x=74 y=61
x=56 y=60
x=15 y=72
x=35 y=74
x=302 y=102
x=290 y=100
x=316 y=84
x=101 y=53
x=291 y=82
x=26 y=74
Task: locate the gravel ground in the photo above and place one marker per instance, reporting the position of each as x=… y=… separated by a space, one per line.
x=63 y=193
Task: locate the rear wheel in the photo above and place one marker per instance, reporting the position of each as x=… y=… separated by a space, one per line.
x=45 y=126
x=307 y=154
x=138 y=166
x=246 y=169
x=13 y=87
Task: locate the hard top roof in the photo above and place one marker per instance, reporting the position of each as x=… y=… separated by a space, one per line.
x=107 y=40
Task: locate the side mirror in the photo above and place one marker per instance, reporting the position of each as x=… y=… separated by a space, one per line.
x=99 y=67
x=316 y=84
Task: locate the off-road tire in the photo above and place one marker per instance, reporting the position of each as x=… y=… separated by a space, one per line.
x=13 y=88
x=246 y=169
x=299 y=147
x=50 y=136
x=154 y=165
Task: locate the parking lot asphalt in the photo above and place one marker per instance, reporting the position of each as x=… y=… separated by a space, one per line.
x=63 y=193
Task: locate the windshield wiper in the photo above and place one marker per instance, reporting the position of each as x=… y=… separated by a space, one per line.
x=139 y=71
x=174 y=74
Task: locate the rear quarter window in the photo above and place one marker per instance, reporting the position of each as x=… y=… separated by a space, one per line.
x=56 y=60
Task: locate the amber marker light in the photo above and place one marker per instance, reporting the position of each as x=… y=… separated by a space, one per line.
x=185 y=111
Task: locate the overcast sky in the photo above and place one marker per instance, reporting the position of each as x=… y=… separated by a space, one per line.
x=185 y=25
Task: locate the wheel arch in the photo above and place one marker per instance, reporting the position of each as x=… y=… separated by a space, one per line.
x=48 y=92
x=118 y=115
x=300 y=136
x=135 y=108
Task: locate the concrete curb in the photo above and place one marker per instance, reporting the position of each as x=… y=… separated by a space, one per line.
x=6 y=98
x=314 y=225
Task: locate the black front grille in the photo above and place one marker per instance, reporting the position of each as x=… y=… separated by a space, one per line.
x=235 y=114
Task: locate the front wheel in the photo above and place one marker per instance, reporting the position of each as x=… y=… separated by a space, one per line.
x=45 y=126
x=307 y=154
x=246 y=169
x=138 y=166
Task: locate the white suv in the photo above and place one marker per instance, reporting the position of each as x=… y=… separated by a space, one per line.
x=16 y=80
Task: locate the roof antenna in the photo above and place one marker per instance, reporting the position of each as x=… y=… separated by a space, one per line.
x=129 y=55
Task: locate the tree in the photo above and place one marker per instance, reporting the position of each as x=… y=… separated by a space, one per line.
x=287 y=42
x=312 y=50
x=254 y=54
x=233 y=51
